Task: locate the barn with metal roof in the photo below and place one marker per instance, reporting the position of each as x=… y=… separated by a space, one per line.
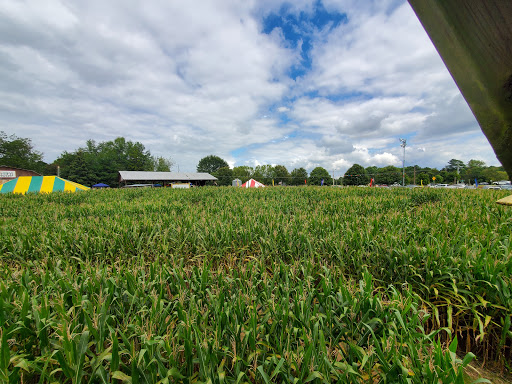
x=129 y=177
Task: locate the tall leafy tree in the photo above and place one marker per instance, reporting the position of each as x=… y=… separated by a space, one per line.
x=491 y=174
x=298 y=176
x=318 y=174
x=19 y=153
x=474 y=170
x=439 y=179
x=372 y=170
x=162 y=164
x=450 y=176
x=388 y=175
x=258 y=175
x=264 y=174
x=243 y=172
x=455 y=165
x=356 y=175
x=211 y=163
x=125 y=155
x=80 y=170
x=224 y=176
x=281 y=174
x=101 y=162
x=423 y=178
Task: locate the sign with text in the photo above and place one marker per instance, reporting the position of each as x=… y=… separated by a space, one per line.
x=8 y=174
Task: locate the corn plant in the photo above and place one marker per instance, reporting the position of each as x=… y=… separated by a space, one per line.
x=275 y=285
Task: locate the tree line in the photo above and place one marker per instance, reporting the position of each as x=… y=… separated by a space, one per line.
x=87 y=165
x=266 y=174
x=456 y=171
x=101 y=162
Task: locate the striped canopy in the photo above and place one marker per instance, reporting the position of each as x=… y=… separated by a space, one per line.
x=44 y=184
x=252 y=184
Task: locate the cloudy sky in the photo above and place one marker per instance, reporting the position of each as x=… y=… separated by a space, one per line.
x=303 y=84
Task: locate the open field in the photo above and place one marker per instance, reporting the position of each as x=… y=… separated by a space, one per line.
x=232 y=285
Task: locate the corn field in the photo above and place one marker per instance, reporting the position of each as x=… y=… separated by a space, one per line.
x=274 y=285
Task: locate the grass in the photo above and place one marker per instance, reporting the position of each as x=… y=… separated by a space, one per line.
x=271 y=285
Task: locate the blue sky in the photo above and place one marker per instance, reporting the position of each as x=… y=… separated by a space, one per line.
x=299 y=28
x=303 y=84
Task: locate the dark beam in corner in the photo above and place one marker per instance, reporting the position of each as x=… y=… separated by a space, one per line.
x=474 y=39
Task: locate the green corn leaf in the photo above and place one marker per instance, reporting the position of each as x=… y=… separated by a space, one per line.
x=122 y=376
x=314 y=375
x=266 y=378
x=175 y=373
x=82 y=349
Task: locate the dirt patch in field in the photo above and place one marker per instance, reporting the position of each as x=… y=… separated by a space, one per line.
x=474 y=371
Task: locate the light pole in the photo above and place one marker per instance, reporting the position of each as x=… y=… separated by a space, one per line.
x=403 y=144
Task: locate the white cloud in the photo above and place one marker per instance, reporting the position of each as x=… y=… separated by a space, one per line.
x=188 y=81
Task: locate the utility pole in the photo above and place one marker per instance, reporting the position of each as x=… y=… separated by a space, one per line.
x=403 y=144
x=333 y=176
x=414 y=182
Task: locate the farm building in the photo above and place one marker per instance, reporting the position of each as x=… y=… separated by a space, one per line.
x=164 y=178
x=10 y=173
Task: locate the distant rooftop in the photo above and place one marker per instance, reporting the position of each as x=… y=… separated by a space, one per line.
x=164 y=176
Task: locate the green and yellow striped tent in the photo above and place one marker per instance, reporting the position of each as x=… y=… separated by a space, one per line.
x=43 y=184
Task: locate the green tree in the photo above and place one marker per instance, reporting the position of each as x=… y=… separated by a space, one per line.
x=258 y=175
x=356 y=175
x=281 y=175
x=298 y=176
x=318 y=174
x=19 y=152
x=455 y=165
x=80 y=171
x=410 y=171
x=125 y=155
x=473 y=171
x=389 y=175
x=423 y=178
x=491 y=174
x=449 y=176
x=264 y=174
x=101 y=162
x=224 y=176
x=162 y=164
x=210 y=164
x=372 y=171
x=243 y=173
